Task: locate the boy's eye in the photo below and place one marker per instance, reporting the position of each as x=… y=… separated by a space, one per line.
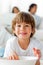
x=26 y=25
x=18 y=25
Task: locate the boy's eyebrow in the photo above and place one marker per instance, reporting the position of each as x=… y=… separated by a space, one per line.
x=24 y=24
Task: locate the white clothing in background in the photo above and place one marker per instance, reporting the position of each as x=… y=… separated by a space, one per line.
x=4 y=36
x=37 y=21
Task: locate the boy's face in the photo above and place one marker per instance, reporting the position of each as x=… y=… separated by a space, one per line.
x=23 y=30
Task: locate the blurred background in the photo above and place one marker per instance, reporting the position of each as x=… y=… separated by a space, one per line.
x=7 y=5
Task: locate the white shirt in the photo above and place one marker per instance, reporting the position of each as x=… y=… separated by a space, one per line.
x=37 y=21
x=13 y=46
x=4 y=36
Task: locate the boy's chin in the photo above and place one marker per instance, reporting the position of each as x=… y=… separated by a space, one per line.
x=23 y=37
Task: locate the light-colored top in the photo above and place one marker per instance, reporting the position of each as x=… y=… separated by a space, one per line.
x=13 y=46
x=37 y=21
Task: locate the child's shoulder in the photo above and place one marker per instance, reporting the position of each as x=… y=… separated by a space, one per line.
x=36 y=42
x=34 y=39
x=13 y=38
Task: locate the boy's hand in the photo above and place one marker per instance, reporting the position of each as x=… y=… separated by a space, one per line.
x=13 y=57
x=37 y=52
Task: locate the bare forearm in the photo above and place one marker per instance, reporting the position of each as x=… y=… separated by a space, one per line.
x=38 y=62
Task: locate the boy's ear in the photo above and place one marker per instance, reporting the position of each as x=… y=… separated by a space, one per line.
x=33 y=31
x=13 y=31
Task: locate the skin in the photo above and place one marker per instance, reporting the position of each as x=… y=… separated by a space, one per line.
x=37 y=52
x=15 y=10
x=33 y=10
x=23 y=32
x=14 y=56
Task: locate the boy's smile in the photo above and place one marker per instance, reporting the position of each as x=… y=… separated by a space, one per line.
x=23 y=33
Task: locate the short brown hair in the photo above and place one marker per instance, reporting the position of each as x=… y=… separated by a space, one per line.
x=16 y=8
x=24 y=17
x=31 y=6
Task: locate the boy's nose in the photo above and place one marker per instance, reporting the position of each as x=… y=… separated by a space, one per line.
x=22 y=28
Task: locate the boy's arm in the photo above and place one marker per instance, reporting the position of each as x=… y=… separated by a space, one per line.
x=38 y=62
x=38 y=54
x=14 y=56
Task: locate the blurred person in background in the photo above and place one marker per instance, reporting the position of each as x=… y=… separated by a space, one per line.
x=15 y=10
x=32 y=10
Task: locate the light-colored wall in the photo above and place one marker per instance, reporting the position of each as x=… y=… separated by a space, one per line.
x=6 y=5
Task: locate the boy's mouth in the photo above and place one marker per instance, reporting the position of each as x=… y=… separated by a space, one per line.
x=23 y=33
